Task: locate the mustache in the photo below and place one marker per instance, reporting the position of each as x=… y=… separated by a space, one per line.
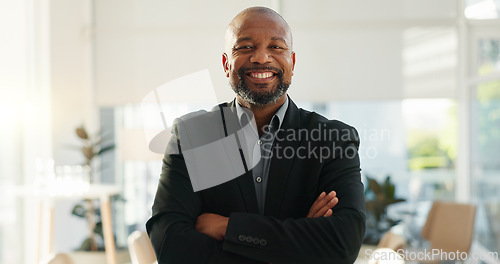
x=243 y=71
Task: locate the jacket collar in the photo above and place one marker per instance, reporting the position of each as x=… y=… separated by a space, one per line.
x=291 y=119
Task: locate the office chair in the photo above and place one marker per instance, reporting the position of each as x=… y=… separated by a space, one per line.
x=59 y=258
x=140 y=248
x=450 y=227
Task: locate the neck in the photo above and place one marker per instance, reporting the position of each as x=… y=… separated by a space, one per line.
x=263 y=113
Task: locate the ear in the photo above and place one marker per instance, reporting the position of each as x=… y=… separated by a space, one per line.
x=225 y=64
x=293 y=61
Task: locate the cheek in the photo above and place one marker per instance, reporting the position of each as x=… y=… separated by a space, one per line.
x=231 y=70
x=236 y=65
x=287 y=65
x=232 y=74
x=286 y=62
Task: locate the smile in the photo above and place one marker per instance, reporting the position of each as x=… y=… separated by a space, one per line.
x=261 y=75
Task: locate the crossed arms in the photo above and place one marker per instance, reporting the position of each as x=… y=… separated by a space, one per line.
x=195 y=227
x=182 y=232
x=215 y=225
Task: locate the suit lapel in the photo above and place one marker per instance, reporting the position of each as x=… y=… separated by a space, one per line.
x=279 y=170
x=247 y=189
x=245 y=181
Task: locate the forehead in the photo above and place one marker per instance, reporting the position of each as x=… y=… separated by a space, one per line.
x=255 y=25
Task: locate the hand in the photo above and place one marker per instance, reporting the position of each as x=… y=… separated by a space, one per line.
x=213 y=225
x=323 y=205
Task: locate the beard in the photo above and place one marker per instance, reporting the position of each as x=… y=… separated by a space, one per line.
x=260 y=98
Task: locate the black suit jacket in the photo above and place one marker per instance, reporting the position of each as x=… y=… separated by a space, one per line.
x=300 y=170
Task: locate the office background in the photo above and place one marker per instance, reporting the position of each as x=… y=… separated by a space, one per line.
x=420 y=80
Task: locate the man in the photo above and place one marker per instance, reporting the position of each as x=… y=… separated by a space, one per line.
x=300 y=201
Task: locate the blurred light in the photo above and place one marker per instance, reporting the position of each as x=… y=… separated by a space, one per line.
x=10 y=112
x=486 y=9
x=426 y=114
x=7 y=115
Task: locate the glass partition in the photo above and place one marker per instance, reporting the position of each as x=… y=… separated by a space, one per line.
x=485 y=162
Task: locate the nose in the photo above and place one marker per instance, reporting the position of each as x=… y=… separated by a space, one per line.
x=261 y=56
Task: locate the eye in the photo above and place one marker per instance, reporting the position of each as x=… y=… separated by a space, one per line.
x=276 y=47
x=243 y=47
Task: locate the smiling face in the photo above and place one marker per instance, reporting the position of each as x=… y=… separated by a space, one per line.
x=259 y=60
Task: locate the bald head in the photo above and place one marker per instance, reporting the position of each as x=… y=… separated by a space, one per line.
x=254 y=14
x=259 y=59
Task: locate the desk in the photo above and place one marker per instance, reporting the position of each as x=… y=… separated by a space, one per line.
x=46 y=198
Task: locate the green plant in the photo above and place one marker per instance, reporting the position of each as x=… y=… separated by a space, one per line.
x=92 y=147
x=379 y=197
x=86 y=209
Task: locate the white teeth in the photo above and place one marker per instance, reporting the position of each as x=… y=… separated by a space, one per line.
x=262 y=75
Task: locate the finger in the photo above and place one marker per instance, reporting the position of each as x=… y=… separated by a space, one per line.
x=320 y=196
x=320 y=203
x=326 y=207
x=335 y=201
x=318 y=208
x=314 y=205
x=328 y=213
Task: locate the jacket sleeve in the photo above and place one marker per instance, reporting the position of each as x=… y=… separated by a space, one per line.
x=334 y=239
x=172 y=227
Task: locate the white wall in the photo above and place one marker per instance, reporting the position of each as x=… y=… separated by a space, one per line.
x=143 y=44
x=72 y=103
x=25 y=121
x=346 y=50
x=71 y=76
x=13 y=89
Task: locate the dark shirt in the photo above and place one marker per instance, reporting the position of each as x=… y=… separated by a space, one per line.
x=260 y=148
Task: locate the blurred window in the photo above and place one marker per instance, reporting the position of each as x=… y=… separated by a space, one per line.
x=482 y=9
x=485 y=142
